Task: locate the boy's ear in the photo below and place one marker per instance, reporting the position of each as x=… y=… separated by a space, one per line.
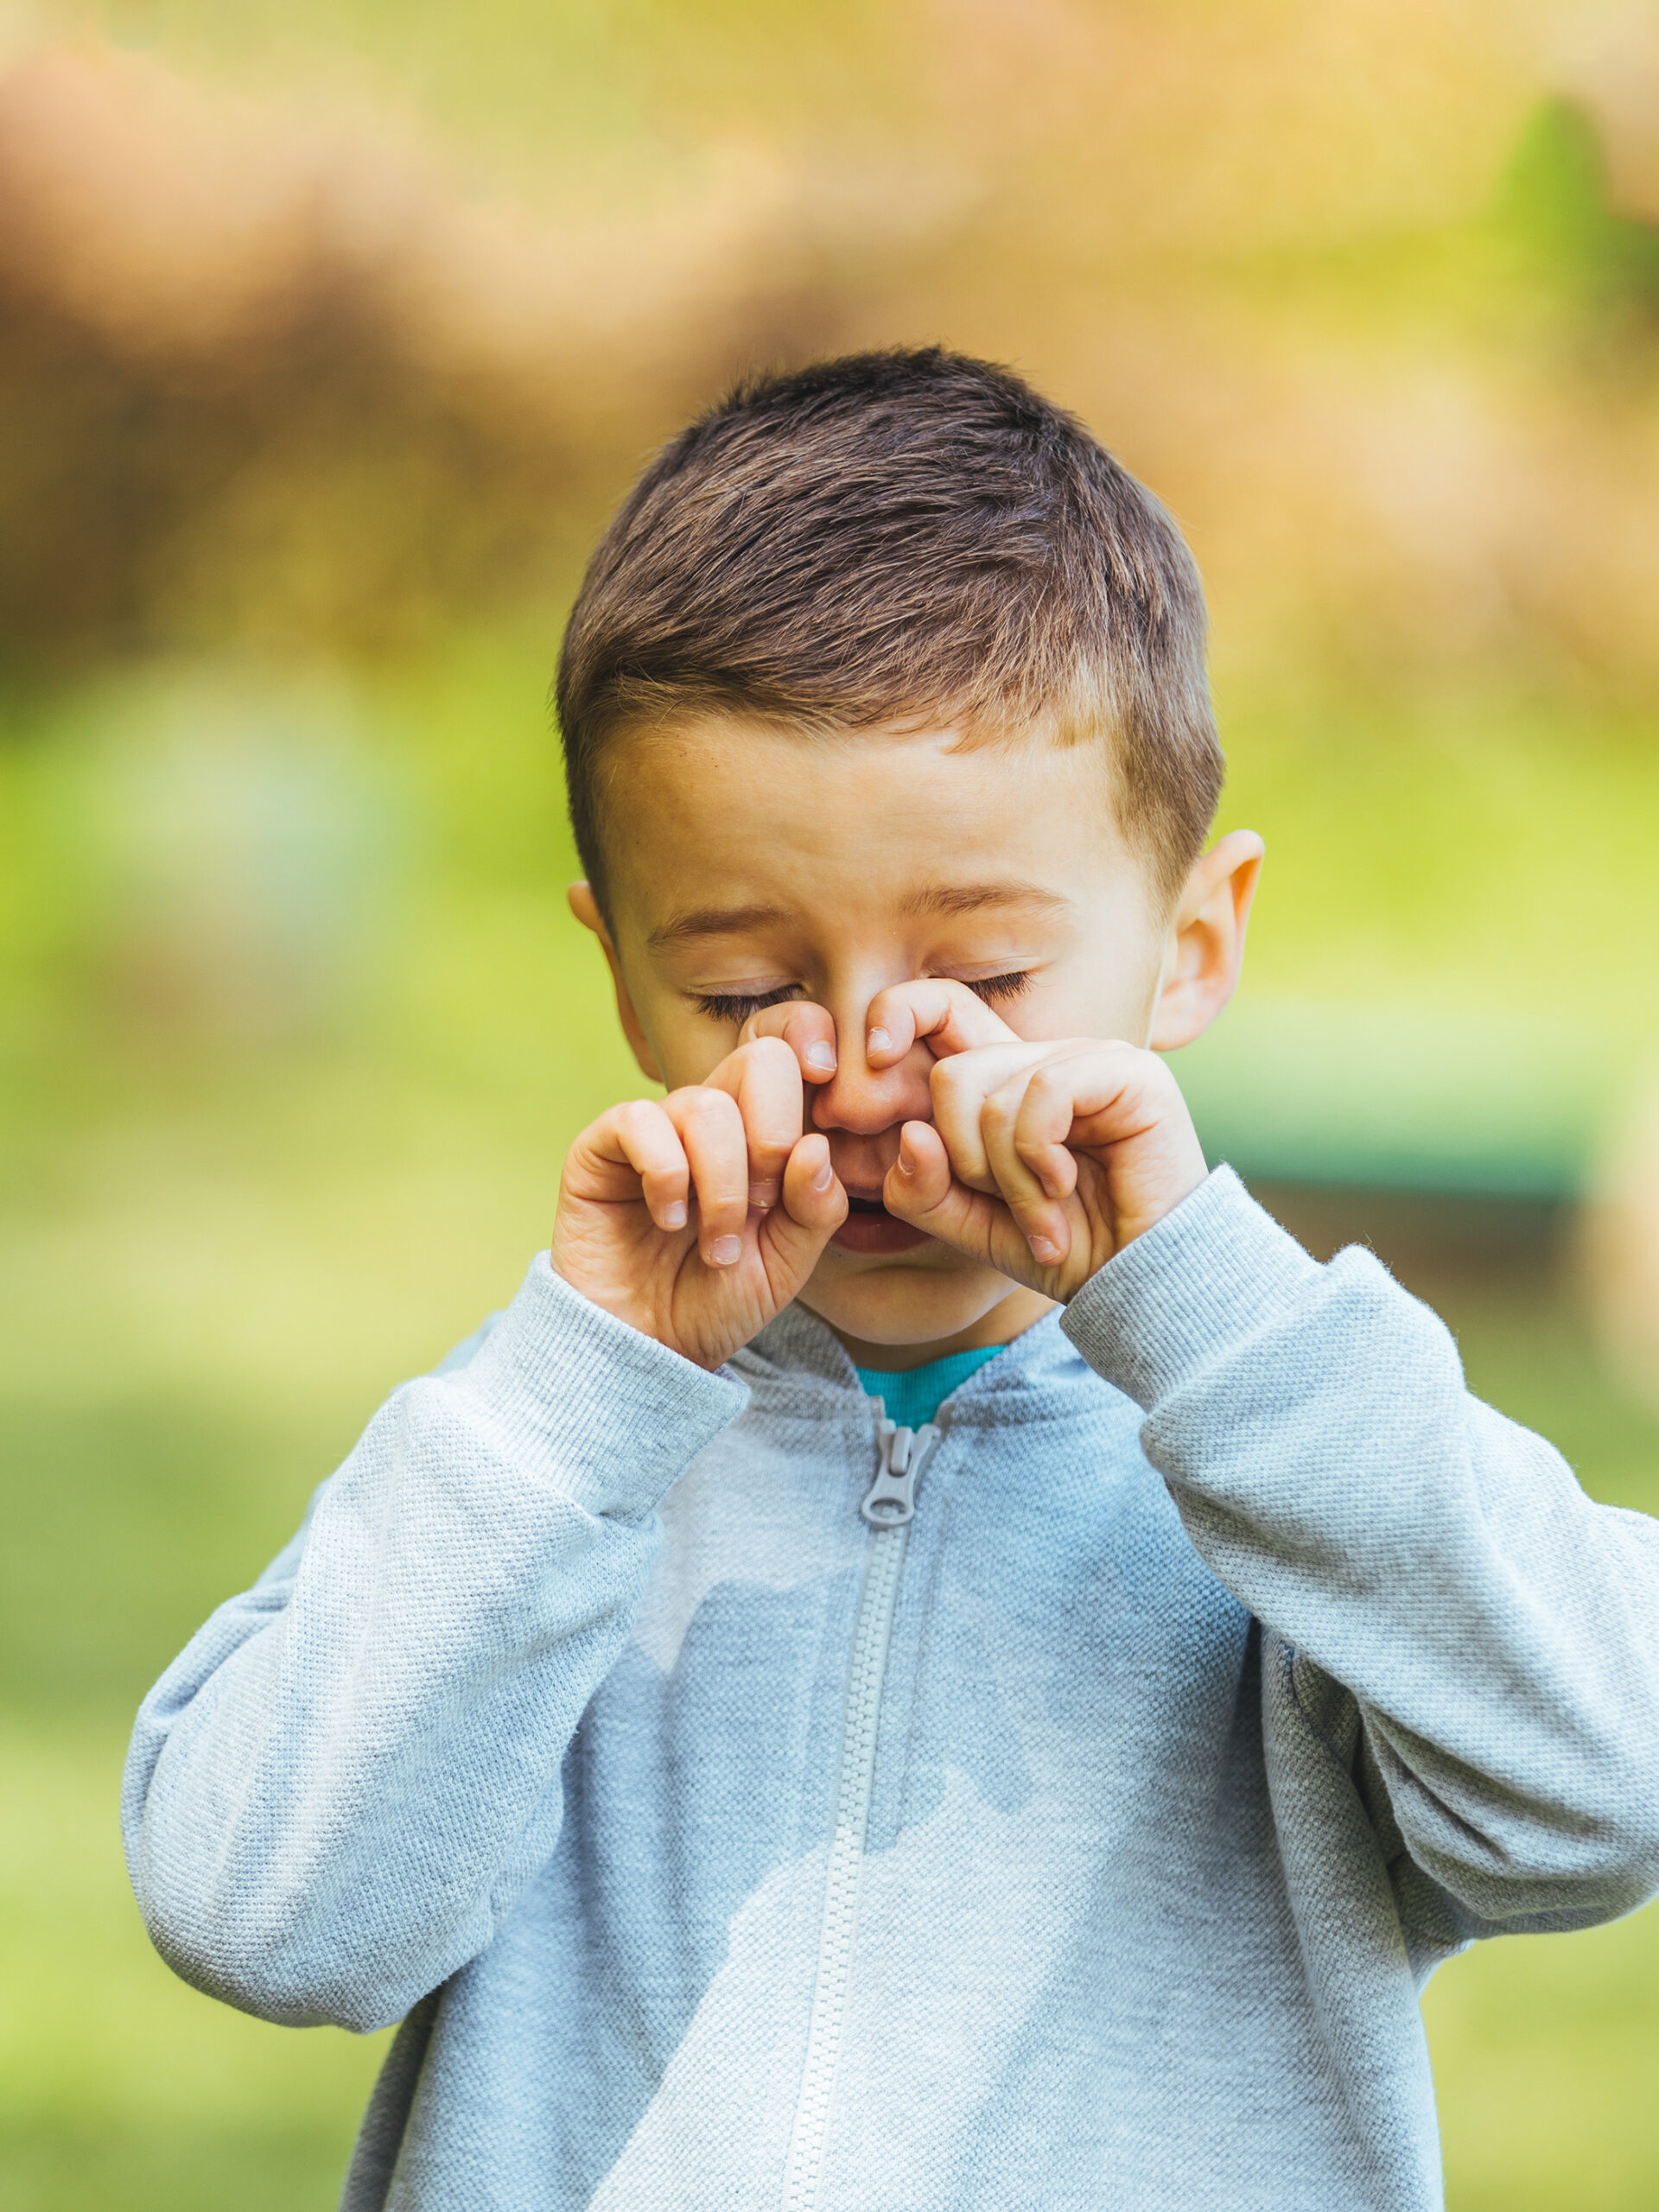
x=583 y=905
x=1204 y=950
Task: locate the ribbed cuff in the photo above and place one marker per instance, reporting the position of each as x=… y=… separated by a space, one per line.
x=1216 y=1270
x=612 y=1417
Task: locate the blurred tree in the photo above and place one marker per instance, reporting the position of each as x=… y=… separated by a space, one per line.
x=262 y=386
x=1554 y=202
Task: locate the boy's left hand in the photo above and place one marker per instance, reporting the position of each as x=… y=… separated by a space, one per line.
x=1042 y=1159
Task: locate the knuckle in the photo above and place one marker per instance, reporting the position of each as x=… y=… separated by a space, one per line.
x=1048 y=1087
x=641 y=1126
x=708 y=1112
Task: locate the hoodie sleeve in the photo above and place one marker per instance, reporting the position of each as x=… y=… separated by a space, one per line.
x=346 y=1779
x=1498 y=1630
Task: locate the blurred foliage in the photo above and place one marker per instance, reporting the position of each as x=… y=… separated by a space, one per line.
x=1554 y=200
x=1365 y=301
x=325 y=343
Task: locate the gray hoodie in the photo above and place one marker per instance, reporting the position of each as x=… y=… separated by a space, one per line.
x=1083 y=1840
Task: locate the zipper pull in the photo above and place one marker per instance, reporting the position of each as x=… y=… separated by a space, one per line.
x=902 y=1453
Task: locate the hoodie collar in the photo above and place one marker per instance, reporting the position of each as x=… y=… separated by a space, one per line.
x=1035 y=1377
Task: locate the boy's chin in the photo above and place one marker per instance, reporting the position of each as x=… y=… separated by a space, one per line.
x=920 y=1294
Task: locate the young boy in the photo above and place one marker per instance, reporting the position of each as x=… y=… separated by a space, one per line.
x=1052 y=1790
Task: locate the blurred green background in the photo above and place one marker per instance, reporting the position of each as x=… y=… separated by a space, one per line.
x=326 y=338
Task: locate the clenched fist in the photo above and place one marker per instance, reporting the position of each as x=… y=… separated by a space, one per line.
x=1041 y=1159
x=697 y=1218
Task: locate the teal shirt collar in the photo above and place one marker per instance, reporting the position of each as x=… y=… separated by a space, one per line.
x=916 y=1395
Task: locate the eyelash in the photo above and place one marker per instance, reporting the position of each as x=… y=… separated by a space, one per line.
x=1001 y=986
x=729 y=1006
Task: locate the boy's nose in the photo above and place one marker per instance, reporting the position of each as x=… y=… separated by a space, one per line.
x=864 y=1101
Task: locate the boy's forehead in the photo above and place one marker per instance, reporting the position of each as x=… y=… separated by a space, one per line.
x=711 y=817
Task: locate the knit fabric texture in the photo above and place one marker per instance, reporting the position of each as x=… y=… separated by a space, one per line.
x=913 y=1395
x=1242 y=1667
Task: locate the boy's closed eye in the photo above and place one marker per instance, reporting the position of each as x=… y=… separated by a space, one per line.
x=992 y=988
x=735 y=1007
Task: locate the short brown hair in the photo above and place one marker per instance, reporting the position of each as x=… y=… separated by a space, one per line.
x=890 y=537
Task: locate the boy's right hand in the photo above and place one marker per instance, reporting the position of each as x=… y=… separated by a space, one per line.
x=697 y=1218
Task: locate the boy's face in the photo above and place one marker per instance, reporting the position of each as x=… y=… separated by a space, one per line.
x=749 y=866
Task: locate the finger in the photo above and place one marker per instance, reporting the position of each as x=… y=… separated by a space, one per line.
x=813 y=1196
x=1037 y=1215
x=764 y=1077
x=1120 y=1092
x=1127 y=1115
x=920 y=1177
x=809 y=1030
x=1044 y=1122
x=947 y=1016
x=635 y=1150
x=959 y=1088
x=711 y=1129
x=921 y=1190
x=815 y=1204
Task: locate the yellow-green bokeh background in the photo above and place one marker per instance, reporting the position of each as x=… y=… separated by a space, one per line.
x=328 y=336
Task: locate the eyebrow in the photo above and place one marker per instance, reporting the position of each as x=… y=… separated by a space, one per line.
x=952 y=898
x=941 y=899
x=713 y=921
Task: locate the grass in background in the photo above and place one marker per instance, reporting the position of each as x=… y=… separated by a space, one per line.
x=1545 y=2048
x=236 y=1211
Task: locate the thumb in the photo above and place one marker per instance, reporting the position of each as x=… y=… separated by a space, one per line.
x=794 y=1234
x=920 y=1189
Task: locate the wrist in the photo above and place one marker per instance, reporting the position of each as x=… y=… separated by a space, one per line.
x=589 y=1401
x=1215 y=1269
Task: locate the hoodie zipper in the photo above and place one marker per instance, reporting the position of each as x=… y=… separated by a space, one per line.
x=889 y=1505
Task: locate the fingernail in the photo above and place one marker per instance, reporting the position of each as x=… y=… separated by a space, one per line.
x=674 y=1217
x=726 y=1251
x=821 y=1055
x=1043 y=1251
x=763 y=1196
x=825 y=1176
x=905 y=1164
x=878 y=1041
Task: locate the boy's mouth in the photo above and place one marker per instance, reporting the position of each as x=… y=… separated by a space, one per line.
x=870 y=1228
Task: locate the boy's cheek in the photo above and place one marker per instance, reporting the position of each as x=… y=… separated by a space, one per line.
x=686 y=1049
